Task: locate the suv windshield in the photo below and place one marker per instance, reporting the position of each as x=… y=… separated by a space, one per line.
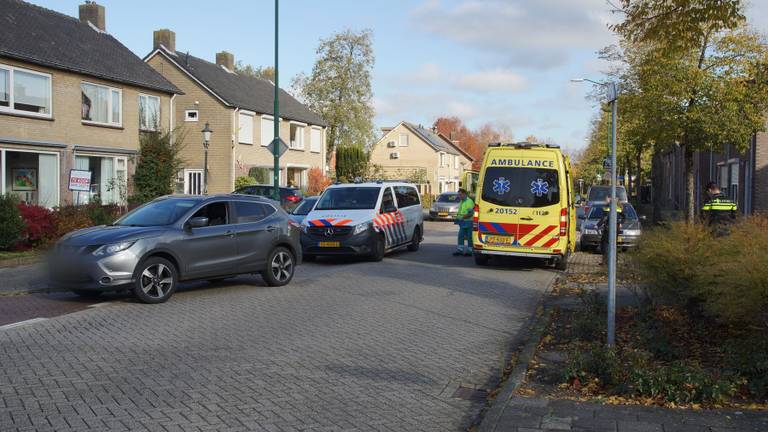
x=521 y=187
x=602 y=193
x=349 y=198
x=448 y=198
x=158 y=213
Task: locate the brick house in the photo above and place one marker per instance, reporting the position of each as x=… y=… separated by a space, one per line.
x=408 y=149
x=72 y=97
x=741 y=176
x=240 y=112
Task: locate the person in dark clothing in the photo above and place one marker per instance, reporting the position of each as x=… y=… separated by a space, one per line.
x=604 y=226
x=718 y=210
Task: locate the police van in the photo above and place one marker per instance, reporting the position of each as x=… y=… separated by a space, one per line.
x=364 y=219
x=524 y=205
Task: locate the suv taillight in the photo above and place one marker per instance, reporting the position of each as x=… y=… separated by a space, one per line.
x=475 y=218
x=563 y=222
x=293 y=198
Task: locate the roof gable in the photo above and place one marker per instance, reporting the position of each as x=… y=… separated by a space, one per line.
x=249 y=93
x=41 y=36
x=436 y=140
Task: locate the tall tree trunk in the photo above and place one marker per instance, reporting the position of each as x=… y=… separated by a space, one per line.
x=690 y=185
x=656 y=176
x=639 y=179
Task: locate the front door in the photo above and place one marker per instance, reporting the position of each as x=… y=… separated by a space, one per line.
x=193 y=182
x=409 y=206
x=391 y=220
x=210 y=250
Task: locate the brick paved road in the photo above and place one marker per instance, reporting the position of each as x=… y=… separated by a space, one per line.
x=347 y=346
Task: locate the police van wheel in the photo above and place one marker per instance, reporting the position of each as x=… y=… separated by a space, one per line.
x=481 y=260
x=413 y=246
x=379 y=248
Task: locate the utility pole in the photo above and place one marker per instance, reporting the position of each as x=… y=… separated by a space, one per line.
x=276 y=120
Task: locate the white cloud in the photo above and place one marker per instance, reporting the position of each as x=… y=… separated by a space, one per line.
x=424 y=74
x=494 y=80
x=531 y=33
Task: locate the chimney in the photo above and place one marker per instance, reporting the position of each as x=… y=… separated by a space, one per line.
x=94 y=14
x=226 y=59
x=165 y=38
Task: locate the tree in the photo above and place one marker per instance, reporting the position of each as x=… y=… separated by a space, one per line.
x=158 y=163
x=351 y=162
x=263 y=72
x=696 y=75
x=339 y=89
x=317 y=181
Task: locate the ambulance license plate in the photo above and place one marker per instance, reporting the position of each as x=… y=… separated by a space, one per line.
x=502 y=240
x=443 y=214
x=329 y=244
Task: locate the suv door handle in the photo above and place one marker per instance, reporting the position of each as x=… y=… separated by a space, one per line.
x=229 y=233
x=271 y=228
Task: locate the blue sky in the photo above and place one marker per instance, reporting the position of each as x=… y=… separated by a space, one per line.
x=506 y=62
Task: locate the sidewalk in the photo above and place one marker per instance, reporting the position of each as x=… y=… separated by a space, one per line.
x=511 y=412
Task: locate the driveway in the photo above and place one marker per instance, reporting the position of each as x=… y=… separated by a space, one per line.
x=349 y=345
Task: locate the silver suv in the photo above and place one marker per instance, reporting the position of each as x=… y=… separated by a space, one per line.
x=176 y=238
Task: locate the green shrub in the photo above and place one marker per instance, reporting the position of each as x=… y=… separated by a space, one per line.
x=244 y=181
x=11 y=223
x=261 y=175
x=351 y=162
x=158 y=164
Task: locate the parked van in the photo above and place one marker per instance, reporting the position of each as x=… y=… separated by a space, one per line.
x=368 y=219
x=524 y=205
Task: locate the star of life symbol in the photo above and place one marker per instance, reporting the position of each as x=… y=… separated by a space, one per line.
x=539 y=187
x=501 y=186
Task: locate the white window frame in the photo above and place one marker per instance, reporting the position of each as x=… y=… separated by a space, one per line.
x=159 y=109
x=4 y=161
x=111 y=121
x=442 y=160
x=319 y=131
x=400 y=140
x=115 y=158
x=187 y=118
x=187 y=172
x=11 y=99
x=455 y=162
x=300 y=141
x=271 y=130
x=250 y=115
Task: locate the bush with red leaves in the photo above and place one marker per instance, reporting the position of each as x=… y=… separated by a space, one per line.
x=39 y=225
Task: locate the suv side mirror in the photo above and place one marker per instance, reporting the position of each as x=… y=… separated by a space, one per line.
x=198 y=222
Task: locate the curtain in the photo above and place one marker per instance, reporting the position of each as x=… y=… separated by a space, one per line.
x=107 y=186
x=5 y=94
x=81 y=163
x=95 y=103
x=47 y=180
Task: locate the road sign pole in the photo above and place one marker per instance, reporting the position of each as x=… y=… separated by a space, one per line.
x=276 y=119
x=613 y=228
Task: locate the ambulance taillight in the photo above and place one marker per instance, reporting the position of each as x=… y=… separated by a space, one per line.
x=475 y=218
x=563 y=222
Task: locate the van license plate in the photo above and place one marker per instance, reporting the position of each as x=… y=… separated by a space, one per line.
x=443 y=214
x=503 y=240
x=329 y=244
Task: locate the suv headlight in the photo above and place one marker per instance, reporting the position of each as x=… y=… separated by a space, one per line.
x=360 y=228
x=113 y=248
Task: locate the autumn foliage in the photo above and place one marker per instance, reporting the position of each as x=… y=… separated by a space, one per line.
x=317 y=181
x=474 y=142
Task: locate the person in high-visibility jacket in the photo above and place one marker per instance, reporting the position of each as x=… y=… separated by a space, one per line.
x=718 y=210
x=464 y=220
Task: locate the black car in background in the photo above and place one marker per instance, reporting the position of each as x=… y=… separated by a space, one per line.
x=290 y=197
x=628 y=235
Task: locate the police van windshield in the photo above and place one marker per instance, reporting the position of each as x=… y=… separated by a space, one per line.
x=521 y=187
x=349 y=198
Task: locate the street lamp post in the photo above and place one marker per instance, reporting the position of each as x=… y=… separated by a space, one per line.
x=276 y=122
x=206 y=141
x=612 y=93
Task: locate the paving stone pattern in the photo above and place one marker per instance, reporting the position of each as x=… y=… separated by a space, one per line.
x=347 y=346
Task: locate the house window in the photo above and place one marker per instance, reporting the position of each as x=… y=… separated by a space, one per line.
x=315 y=140
x=25 y=92
x=193 y=181
x=149 y=112
x=108 y=179
x=297 y=136
x=442 y=159
x=267 y=130
x=403 y=140
x=101 y=104
x=246 y=128
x=733 y=190
x=456 y=162
x=191 y=115
x=32 y=176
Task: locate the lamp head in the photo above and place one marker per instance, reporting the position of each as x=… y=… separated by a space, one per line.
x=207 y=132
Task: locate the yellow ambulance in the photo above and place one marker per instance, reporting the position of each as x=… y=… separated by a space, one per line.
x=524 y=205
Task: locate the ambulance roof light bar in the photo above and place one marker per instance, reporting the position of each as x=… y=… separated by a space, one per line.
x=523 y=144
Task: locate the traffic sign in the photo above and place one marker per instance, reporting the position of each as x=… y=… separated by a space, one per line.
x=283 y=147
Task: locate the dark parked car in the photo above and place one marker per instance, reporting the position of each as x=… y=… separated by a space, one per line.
x=176 y=238
x=599 y=194
x=580 y=216
x=300 y=212
x=628 y=235
x=290 y=197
